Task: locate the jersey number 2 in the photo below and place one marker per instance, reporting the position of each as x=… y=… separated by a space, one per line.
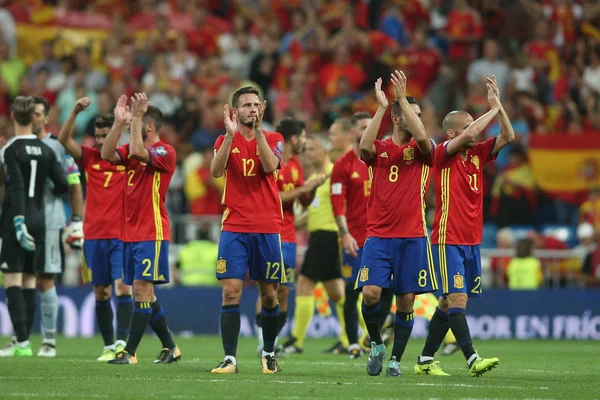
x=32 y=178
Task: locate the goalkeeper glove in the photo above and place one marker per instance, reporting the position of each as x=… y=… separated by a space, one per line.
x=75 y=233
x=25 y=239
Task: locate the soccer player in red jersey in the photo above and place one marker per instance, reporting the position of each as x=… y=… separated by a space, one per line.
x=250 y=239
x=291 y=186
x=150 y=165
x=102 y=258
x=458 y=225
x=350 y=189
x=397 y=253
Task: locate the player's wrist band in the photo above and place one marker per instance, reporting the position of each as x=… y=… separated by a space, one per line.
x=76 y=218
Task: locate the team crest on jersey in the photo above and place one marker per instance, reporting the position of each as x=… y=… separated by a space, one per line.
x=161 y=151
x=475 y=161
x=347 y=271
x=364 y=274
x=459 y=281
x=295 y=174
x=221 y=266
x=409 y=154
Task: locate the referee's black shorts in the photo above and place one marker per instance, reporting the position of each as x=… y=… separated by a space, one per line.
x=322 y=258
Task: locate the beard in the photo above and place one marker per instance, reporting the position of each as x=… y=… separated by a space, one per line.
x=249 y=123
x=35 y=129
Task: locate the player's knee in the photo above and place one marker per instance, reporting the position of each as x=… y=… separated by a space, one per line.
x=44 y=282
x=122 y=289
x=371 y=294
x=405 y=302
x=143 y=291
x=457 y=300
x=102 y=292
x=231 y=294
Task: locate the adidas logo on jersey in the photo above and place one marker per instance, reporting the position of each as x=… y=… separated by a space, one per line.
x=355 y=175
x=383 y=155
x=235 y=150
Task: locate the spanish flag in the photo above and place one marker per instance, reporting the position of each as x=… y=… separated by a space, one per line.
x=566 y=166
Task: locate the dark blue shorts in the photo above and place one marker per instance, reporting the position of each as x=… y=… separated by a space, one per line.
x=404 y=264
x=459 y=268
x=351 y=266
x=288 y=250
x=103 y=260
x=257 y=253
x=147 y=261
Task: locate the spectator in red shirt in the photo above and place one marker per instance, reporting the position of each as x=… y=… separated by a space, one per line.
x=420 y=63
x=464 y=31
x=340 y=67
x=202 y=38
x=542 y=53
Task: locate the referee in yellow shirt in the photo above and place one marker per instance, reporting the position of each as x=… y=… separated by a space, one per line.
x=322 y=259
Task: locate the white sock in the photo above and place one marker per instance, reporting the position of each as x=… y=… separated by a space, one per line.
x=51 y=342
x=264 y=354
x=232 y=359
x=120 y=343
x=23 y=344
x=471 y=359
x=111 y=347
x=353 y=346
x=424 y=359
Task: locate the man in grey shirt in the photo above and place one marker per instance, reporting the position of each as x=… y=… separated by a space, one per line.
x=490 y=64
x=55 y=222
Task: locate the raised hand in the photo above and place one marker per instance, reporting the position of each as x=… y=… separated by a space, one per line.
x=259 y=116
x=493 y=92
x=122 y=114
x=139 y=105
x=381 y=98
x=231 y=123
x=399 y=81
x=81 y=105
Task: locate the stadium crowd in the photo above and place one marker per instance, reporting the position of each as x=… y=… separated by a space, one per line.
x=317 y=60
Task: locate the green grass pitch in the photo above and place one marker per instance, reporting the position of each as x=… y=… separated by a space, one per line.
x=528 y=370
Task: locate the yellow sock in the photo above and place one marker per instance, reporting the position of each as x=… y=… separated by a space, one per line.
x=449 y=337
x=339 y=307
x=305 y=308
x=361 y=320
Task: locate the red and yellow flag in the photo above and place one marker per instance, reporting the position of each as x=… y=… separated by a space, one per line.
x=566 y=166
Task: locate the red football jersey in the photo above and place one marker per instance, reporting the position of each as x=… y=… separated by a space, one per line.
x=145 y=214
x=290 y=177
x=350 y=190
x=396 y=207
x=104 y=195
x=251 y=199
x=459 y=194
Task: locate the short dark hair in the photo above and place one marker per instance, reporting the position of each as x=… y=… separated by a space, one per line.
x=290 y=126
x=153 y=114
x=396 y=110
x=104 y=121
x=243 y=90
x=345 y=123
x=22 y=109
x=524 y=248
x=358 y=116
x=44 y=102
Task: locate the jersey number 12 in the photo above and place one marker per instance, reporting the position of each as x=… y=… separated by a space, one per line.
x=32 y=178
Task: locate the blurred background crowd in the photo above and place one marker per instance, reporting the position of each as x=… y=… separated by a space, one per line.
x=317 y=60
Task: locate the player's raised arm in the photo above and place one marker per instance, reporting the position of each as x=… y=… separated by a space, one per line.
x=507 y=134
x=270 y=162
x=367 y=140
x=474 y=129
x=109 y=148
x=139 y=106
x=414 y=123
x=218 y=165
x=65 y=136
